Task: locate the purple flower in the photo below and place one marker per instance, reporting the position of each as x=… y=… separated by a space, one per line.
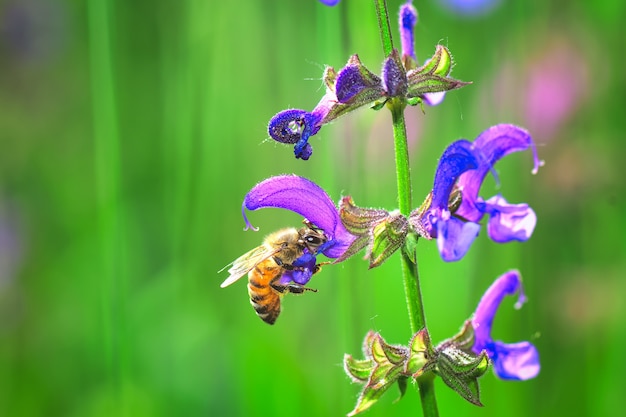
x=307 y=199
x=407 y=22
x=463 y=167
x=355 y=86
x=330 y=2
x=350 y=88
x=296 y=126
x=516 y=361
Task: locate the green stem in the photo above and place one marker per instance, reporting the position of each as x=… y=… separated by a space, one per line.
x=383 y=24
x=410 y=273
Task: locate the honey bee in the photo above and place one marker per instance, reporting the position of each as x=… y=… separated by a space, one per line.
x=266 y=264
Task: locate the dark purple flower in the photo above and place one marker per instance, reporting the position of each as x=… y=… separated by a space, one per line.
x=352 y=87
x=330 y=2
x=464 y=166
x=306 y=198
x=296 y=126
x=516 y=361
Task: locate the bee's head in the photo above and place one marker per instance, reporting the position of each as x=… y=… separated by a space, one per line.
x=312 y=237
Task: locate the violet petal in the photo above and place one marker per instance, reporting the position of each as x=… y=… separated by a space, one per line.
x=454 y=238
x=456 y=159
x=515 y=361
x=408 y=20
x=305 y=198
x=508 y=283
x=509 y=221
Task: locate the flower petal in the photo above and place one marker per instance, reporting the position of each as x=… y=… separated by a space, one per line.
x=456 y=159
x=503 y=139
x=454 y=237
x=509 y=221
x=286 y=126
x=408 y=20
x=489 y=147
x=434 y=99
x=516 y=361
x=306 y=198
x=303 y=271
x=296 y=126
x=508 y=283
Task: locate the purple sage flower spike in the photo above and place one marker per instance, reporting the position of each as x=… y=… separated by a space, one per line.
x=304 y=197
x=514 y=361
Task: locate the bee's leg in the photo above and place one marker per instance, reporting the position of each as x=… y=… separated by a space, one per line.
x=291 y=288
x=318 y=267
x=285 y=266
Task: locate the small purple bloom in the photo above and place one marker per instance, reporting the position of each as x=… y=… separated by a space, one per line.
x=307 y=199
x=464 y=165
x=296 y=126
x=330 y=2
x=351 y=88
x=515 y=361
x=407 y=21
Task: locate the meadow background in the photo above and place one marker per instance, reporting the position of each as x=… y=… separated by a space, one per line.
x=130 y=132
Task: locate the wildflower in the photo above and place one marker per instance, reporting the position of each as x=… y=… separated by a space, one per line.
x=306 y=198
x=514 y=361
x=461 y=170
x=330 y=2
x=355 y=86
x=408 y=20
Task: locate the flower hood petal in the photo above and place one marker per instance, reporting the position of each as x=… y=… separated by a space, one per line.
x=489 y=147
x=456 y=159
x=305 y=198
x=508 y=283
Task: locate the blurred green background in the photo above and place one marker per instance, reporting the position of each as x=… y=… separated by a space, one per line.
x=131 y=131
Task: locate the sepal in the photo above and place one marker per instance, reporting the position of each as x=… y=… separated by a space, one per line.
x=460 y=371
x=359 y=222
x=387 y=237
x=421 y=354
x=357 y=370
x=433 y=76
x=385 y=364
x=459 y=367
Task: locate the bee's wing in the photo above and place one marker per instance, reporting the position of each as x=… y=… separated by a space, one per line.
x=246 y=262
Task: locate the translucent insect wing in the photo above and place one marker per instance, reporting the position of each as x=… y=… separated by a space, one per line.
x=246 y=262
